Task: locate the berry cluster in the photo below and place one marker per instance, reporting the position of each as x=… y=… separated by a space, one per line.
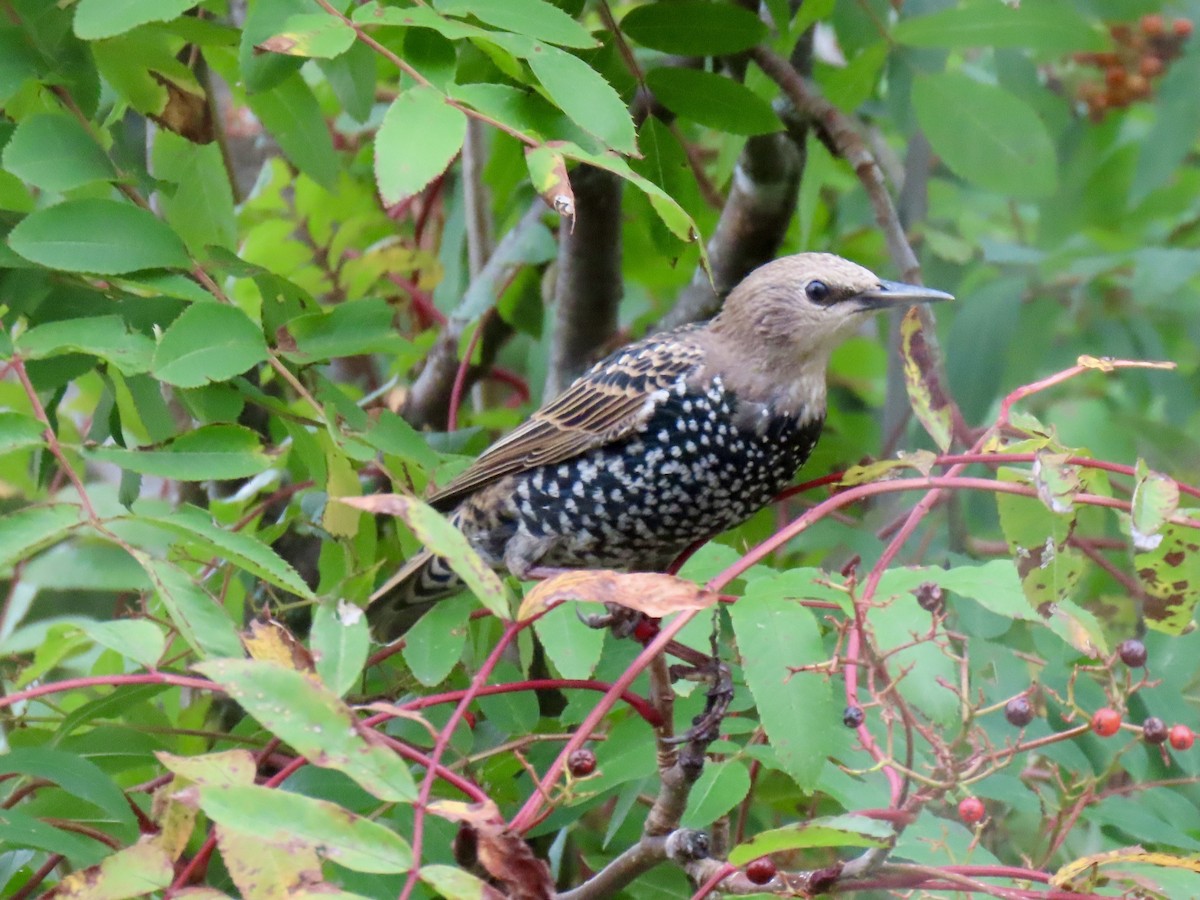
x=1142 y=53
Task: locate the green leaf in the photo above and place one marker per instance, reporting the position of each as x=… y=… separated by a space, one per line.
x=434 y=645
x=20 y=432
x=224 y=767
x=95 y=19
x=102 y=236
x=19 y=829
x=283 y=819
x=570 y=644
x=775 y=634
x=304 y=713
x=418 y=138
x=984 y=134
x=80 y=777
x=133 y=871
x=340 y=640
x=138 y=639
x=373 y=13
x=1155 y=499
x=721 y=786
x=56 y=153
x=590 y=101
x=243 y=550
x=694 y=28
x=348 y=329
x=453 y=883
x=443 y=539
x=208 y=342
x=1170 y=575
x=1173 y=130
x=208 y=452
x=712 y=100
x=19 y=61
x=535 y=19
x=200 y=205
x=24 y=532
x=312 y=35
x=829 y=831
x=107 y=337
x=1037 y=535
x=290 y=112
x=1050 y=26
x=201 y=620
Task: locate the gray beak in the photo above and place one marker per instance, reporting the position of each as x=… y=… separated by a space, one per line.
x=896 y=293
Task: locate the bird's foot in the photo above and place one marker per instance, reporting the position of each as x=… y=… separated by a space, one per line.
x=623 y=622
x=706 y=726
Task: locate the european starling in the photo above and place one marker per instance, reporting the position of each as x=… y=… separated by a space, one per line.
x=669 y=441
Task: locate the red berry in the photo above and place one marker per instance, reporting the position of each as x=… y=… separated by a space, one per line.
x=1182 y=27
x=1181 y=737
x=1152 y=25
x=1018 y=711
x=970 y=810
x=1132 y=653
x=1106 y=722
x=761 y=870
x=1154 y=730
x=1150 y=66
x=581 y=763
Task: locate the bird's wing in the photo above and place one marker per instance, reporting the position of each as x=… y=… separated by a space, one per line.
x=605 y=404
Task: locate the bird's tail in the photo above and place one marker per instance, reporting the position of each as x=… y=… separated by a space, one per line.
x=401 y=600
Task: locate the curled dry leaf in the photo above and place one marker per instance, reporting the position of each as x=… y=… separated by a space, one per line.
x=548 y=172
x=647 y=592
x=269 y=639
x=502 y=852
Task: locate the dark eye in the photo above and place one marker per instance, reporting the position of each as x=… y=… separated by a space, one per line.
x=818 y=292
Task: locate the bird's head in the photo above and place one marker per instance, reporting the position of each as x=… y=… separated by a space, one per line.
x=786 y=317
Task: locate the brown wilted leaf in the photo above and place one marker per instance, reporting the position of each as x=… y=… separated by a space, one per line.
x=502 y=852
x=647 y=592
x=269 y=639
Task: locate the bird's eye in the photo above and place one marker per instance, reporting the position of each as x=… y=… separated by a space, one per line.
x=818 y=292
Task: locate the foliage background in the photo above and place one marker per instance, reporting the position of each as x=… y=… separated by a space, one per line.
x=259 y=256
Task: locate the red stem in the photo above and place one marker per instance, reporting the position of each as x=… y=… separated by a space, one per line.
x=639 y=704
x=460 y=378
x=70 y=684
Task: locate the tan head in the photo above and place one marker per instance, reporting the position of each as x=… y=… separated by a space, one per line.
x=780 y=325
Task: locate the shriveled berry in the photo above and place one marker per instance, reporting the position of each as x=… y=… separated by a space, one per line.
x=1106 y=722
x=1153 y=25
x=1132 y=652
x=1150 y=65
x=1181 y=737
x=970 y=810
x=1018 y=711
x=1182 y=28
x=1121 y=32
x=1154 y=730
x=581 y=762
x=761 y=870
x=853 y=716
x=930 y=596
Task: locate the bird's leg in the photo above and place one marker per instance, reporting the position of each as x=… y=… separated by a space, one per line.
x=623 y=622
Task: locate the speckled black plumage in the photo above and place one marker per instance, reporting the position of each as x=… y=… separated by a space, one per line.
x=667 y=442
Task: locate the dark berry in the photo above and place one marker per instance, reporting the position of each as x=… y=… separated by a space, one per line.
x=1121 y=32
x=1106 y=722
x=1181 y=737
x=1182 y=28
x=853 y=716
x=970 y=810
x=1154 y=730
x=1132 y=653
x=581 y=763
x=1152 y=25
x=761 y=870
x=1018 y=711
x=930 y=597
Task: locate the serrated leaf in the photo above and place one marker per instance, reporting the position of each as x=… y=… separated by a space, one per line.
x=442 y=538
x=133 y=871
x=775 y=634
x=24 y=532
x=20 y=432
x=95 y=19
x=721 y=786
x=304 y=713
x=829 y=831
x=535 y=19
x=138 y=639
x=434 y=645
x=224 y=767
x=348 y=329
x=418 y=138
x=56 y=153
x=243 y=550
x=208 y=452
x=1049 y=26
x=201 y=621
x=570 y=644
x=583 y=94
x=287 y=820
x=291 y=113
x=712 y=100
x=102 y=236
x=694 y=28
x=340 y=640
x=107 y=337
x=208 y=342
x=984 y=133
x=311 y=35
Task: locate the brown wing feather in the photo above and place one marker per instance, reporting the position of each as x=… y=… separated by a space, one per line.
x=606 y=403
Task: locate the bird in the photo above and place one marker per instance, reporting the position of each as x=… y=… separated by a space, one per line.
x=667 y=442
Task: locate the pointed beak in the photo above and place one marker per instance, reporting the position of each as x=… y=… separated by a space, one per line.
x=896 y=293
